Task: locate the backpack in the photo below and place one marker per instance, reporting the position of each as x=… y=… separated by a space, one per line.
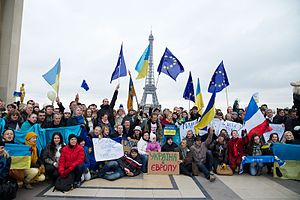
x=64 y=184
x=8 y=189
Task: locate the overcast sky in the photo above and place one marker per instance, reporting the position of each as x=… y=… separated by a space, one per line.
x=259 y=42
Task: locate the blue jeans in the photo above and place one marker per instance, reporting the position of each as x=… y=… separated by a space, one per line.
x=203 y=169
x=117 y=171
x=209 y=160
x=255 y=168
x=144 y=159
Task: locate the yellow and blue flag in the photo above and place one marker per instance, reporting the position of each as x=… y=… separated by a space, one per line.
x=131 y=93
x=199 y=99
x=20 y=155
x=52 y=76
x=219 y=80
x=143 y=64
x=170 y=65
x=189 y=93
x=120 y=69
x=208 y=114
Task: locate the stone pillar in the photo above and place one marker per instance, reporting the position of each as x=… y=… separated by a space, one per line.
x=10 y=34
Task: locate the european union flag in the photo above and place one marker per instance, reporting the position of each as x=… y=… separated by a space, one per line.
x=189 y=93
x=84 y=85
x=17 y=94
x=219 y=80
x=170 y=65
x=120 y=69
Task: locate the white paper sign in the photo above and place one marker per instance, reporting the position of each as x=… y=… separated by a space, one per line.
x=107 y=149
x=216 y=124
x=277 y=128
x=187 y=126
x=230 y=126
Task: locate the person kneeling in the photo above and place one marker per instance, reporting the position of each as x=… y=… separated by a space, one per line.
x=71 y=161
x=125 y=166
x=36 y=173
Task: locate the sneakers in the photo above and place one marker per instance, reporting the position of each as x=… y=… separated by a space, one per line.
x=76 y=184
x=28 y=186
x=212 y=178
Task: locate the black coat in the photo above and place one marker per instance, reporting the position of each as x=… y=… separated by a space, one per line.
x=108 y=109
x=169 y=148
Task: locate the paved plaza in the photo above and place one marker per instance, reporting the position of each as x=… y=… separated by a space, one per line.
x=173 y=187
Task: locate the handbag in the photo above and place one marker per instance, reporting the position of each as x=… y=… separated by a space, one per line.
x=8 y=189
x=64 y=184
x=224 y=169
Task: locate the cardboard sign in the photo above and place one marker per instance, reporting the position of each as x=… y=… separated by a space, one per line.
x=163 y=163
x=107 y=149
x=170 y=129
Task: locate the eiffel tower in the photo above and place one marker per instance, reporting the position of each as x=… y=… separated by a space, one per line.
x=150 y=88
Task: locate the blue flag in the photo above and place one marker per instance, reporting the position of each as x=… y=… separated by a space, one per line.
x=219 y=80
x=189 y=93
x=84 y=85
x=120 y=69
x=170 y=65
x=17 y=94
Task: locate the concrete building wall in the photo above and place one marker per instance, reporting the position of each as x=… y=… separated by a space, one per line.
x=10 y=33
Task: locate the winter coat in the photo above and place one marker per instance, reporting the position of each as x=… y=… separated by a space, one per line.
x=199 y=151
x=153 y=146
x=236 y=148
x=219 y=151
x=13 y=124
x=49 y=155
x=134 y=165
x=190 y=141
x=5 y=163
x=158 y=130
x=188 y=158
x=86 y=164
x=108 y=109
x=169 y=148
x=142 y=146
x=69 y=159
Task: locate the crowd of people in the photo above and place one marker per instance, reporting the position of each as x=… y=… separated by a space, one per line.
x=140 y=131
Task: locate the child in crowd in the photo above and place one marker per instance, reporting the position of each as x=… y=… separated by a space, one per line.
x=153 y=145
x=86 y=172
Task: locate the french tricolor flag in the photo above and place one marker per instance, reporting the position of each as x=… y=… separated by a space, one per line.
x=255 y=122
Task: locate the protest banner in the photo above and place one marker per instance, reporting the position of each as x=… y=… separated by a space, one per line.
x=107 y=149
x=276 y=128
x=187 y=126
x=289 y=154
x=163 y=163
x=229 y=126
x=173 y=132
x=216 y=124
x=170 y=129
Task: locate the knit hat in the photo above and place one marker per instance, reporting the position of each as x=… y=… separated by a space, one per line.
x=137 y=128
x=134 y=149
x=30 y=135
x=71 y=136
x=79 y=140
x=2 y=143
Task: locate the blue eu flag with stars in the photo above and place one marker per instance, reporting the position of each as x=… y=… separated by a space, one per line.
x=84 y=85
x=189 y=93
x=219 y=80
x=170 y=65
x=120 y=69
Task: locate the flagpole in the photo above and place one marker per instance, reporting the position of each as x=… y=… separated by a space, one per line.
x=227 y=97
x=157 y=81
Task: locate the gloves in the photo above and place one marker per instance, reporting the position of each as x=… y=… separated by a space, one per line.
x=55 y=164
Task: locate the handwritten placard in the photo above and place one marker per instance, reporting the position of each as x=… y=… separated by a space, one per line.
x=107 y=149
x=163 y=163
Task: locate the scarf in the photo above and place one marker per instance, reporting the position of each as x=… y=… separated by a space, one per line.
x=34 y=153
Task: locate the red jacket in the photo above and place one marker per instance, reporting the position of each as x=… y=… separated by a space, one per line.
x=236 y=148
x=69 y=158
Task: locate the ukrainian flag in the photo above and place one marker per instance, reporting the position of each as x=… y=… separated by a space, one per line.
x=131 y=93
x=199 y=99
x=20 y=155
x=143 y=64
x=208 y=114
x=52 y=76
